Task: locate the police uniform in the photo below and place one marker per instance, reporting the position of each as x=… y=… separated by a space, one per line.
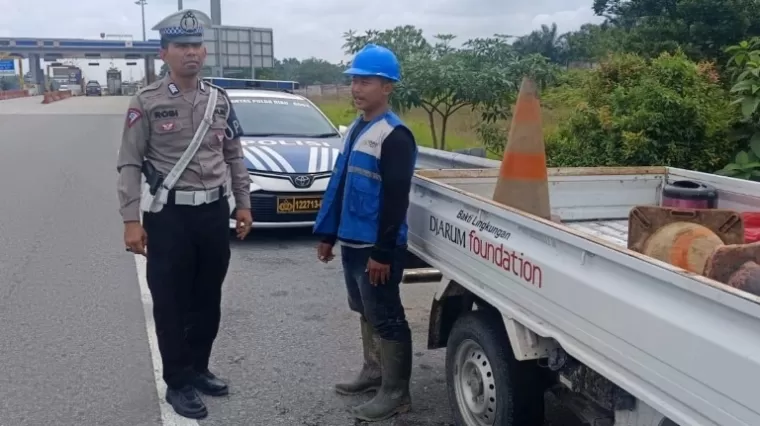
x=188 y=239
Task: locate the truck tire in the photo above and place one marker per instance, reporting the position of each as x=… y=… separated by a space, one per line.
x=487 y=386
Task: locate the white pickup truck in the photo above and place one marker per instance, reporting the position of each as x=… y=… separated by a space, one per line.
x=529 y=308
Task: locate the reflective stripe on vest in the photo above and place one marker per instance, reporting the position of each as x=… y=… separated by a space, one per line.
x=357 y=218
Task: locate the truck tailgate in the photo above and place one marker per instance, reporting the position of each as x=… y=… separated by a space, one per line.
x=686 y=345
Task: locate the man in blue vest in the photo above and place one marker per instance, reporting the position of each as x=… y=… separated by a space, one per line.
x=365 y=209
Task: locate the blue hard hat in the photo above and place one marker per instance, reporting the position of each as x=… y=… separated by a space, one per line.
x=375 y=61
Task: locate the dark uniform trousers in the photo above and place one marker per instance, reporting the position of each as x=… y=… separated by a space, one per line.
x=188 y=257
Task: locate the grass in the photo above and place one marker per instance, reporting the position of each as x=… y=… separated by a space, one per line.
x=460 y=132
x=460 y=129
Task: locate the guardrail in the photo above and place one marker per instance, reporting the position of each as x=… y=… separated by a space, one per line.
x=55 y=96
x=13 y=94
x=429 y=158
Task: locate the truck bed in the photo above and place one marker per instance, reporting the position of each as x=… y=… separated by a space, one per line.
x=686 y=345
x=596 y=201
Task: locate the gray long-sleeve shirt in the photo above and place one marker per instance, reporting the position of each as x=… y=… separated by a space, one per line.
x=160 y=123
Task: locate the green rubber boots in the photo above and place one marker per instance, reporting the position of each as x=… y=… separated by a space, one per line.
x=370 y=376
x=393 y=397
x=387 y=368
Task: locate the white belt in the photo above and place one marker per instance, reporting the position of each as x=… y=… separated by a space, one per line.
x=196 y=198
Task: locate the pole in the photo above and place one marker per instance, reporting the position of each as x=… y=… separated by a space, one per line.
x=21 y=73
x=179 y=4
x=142 y=10
x=142 y=4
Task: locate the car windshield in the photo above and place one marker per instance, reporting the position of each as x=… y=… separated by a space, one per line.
x=93 y=85
x=263 y=116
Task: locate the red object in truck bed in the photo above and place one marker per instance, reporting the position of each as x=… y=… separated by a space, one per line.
x=751 y=227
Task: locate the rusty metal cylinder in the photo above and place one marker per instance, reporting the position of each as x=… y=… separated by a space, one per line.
x=683 y=244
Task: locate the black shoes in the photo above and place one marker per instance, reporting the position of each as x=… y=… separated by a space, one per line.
x=208 y=384
x=186 y=401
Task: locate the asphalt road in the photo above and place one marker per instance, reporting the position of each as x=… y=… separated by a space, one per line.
x=73 y=342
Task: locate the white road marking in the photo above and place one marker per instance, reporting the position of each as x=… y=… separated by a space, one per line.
x=168 y=416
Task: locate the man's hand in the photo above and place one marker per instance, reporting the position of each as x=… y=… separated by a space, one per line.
x=135 y=237
x=378 y=272
x=325 y=252
x=244 y=220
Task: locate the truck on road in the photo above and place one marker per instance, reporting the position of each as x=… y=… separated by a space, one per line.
x=529 y=308
x=113 y=81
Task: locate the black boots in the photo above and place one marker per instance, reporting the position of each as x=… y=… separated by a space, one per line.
x=186 y=402
x=208 y=384
x=393 y=397
x=369 y=377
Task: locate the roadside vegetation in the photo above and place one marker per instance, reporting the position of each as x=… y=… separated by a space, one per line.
x=659 y=82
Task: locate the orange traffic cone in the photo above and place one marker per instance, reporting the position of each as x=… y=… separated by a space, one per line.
x=523 y=182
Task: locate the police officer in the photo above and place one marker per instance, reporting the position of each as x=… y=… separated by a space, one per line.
x=185 y=230
x=365 y=208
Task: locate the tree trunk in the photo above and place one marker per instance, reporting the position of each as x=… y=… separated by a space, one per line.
x=431 y=119
x=444 y=121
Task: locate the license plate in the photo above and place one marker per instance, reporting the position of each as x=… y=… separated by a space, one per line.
x=287 y=205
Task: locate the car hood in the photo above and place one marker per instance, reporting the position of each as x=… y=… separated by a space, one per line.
x=291 y=155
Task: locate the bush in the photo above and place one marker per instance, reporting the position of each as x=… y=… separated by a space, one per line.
x=633 y=112
x=744 y=66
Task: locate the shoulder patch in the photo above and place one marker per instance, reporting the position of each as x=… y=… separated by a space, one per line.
x=133 y=116
x=151 y=87
x=221 y=90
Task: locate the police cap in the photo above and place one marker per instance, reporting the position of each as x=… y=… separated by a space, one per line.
x=184 y=26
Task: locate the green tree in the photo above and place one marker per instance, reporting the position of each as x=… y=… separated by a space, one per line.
x=9 y=83
x=701 y=28
x=318 y=71
x=592 y=42
x=546 y=41
x=404 y=41
x=636 y=112
x=745 y=68
x=310 y=71
x=442 y=79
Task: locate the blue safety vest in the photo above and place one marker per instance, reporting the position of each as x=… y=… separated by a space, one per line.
x=357 y=219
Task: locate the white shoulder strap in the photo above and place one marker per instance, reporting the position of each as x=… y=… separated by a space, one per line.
x=176 y=171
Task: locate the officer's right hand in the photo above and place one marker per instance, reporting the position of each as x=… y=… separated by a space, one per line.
x=135 y=237
x=325 y=252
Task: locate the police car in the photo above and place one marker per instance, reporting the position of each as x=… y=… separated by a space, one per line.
x=290 y=148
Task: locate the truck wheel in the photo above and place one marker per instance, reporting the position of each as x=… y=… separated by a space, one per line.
x=487 y=386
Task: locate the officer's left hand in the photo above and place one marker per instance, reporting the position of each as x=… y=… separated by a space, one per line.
x=244 y=220
x=378 y=272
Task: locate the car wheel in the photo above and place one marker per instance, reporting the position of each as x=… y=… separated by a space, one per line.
x=487 y=386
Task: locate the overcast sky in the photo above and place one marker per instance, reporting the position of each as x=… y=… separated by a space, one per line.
x=302 y=28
